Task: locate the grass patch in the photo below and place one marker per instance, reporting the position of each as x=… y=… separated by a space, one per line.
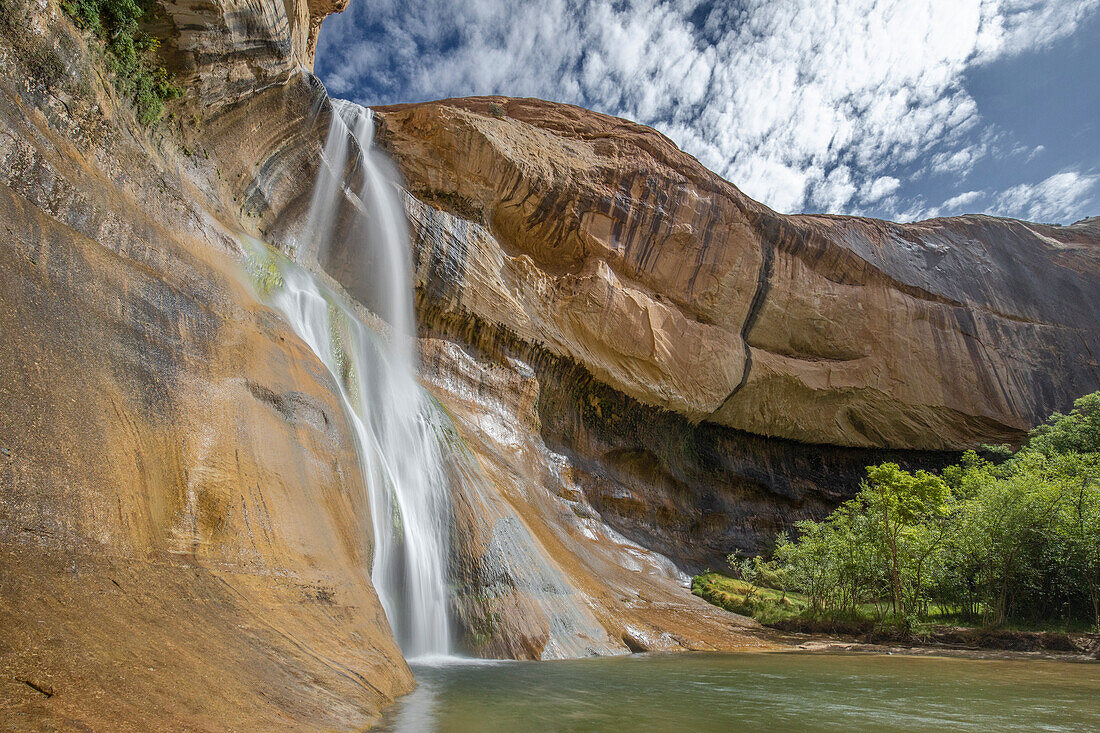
x=792 y=611
x=130 y=54
x=766 y=605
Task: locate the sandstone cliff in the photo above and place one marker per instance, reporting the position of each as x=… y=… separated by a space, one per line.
x=599 y=240
x=712 y=370
x=184 y=538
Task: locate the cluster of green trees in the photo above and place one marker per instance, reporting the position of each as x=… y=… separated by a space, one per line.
x=1012 y=537
x=129 y=53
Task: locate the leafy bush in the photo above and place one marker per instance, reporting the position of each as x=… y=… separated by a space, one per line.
x=1012 y=541
x=1077 y=432
x=129 y=53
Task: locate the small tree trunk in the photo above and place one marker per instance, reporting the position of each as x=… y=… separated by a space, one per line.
x=1094 y=593
x=891 y=544
x=1002 y=602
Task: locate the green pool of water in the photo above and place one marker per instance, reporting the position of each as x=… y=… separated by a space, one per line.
x=766 y=692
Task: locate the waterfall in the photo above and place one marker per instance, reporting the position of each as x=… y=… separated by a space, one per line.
x=394 y=422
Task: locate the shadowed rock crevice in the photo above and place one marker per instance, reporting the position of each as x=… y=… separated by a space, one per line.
x=293 y=406
x=763 y=283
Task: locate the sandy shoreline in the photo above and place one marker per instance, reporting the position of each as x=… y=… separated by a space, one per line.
x=813 y=643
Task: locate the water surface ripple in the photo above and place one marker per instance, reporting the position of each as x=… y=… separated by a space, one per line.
x=773 y=692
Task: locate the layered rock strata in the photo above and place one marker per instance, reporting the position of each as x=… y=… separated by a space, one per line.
x=599 y=240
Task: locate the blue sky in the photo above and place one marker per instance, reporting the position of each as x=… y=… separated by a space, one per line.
x=901 y=109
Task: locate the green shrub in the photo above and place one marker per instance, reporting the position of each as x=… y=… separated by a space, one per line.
x=129 y=53
x=1010 y=540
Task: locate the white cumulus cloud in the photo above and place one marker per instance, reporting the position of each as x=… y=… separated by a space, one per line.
x=1049 y=200
x=960 y=202
x=807 y=105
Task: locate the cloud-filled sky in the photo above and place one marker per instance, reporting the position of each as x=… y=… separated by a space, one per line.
x=902 y=109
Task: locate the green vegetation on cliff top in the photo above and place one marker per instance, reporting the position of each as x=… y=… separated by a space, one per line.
x=129 y=53
x=1009 y=542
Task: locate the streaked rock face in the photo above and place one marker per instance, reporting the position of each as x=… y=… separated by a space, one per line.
x=538 y=573
x=691 y=491
x=184 y=538
x=599 y=240
x=712 y=370
x=225 y=52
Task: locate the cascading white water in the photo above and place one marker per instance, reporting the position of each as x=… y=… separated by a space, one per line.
x=394 y=423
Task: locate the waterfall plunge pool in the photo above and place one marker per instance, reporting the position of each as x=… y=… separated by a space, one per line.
x=753 y=691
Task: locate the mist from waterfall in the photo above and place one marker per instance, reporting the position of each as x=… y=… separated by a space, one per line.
x=394 y=423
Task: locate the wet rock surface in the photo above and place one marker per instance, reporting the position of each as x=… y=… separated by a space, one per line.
x=184 y=539
x=539 y=574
